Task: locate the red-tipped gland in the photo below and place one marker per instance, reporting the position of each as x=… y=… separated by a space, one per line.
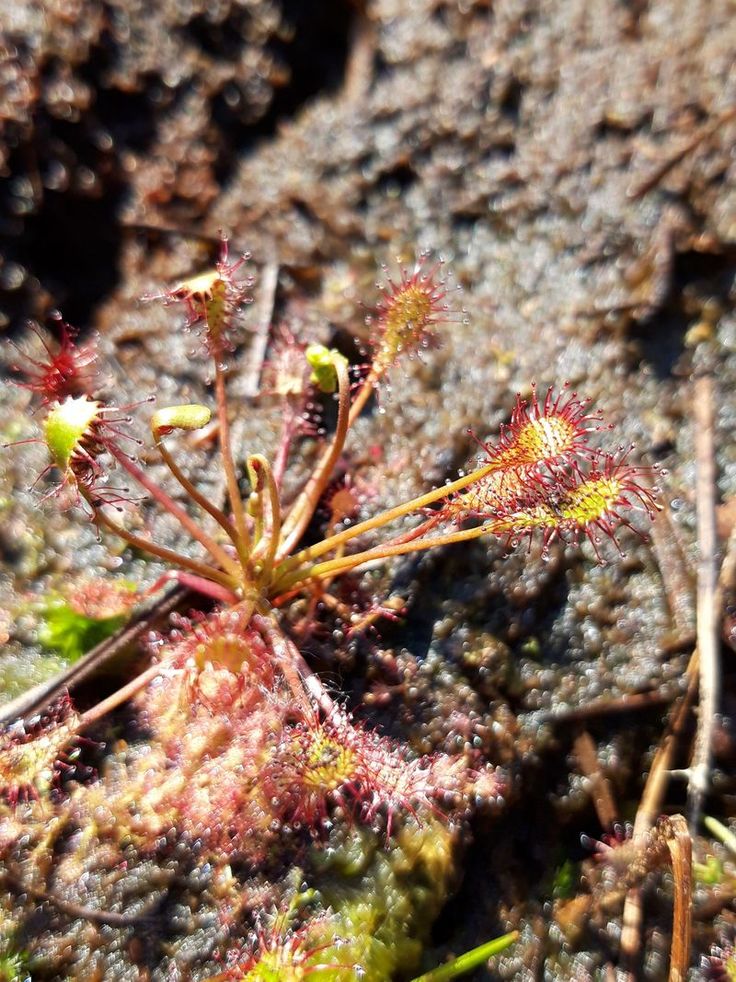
x=77 y=431
x=334 y=762
x=223 y=639
x=32 y=755
x=284 y=954
x=67 y=369
x=213 y=299
x=546 y=432
x=408 y=311
x=575 y=503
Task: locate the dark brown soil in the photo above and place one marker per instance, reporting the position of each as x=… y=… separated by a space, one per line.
x=574 y=163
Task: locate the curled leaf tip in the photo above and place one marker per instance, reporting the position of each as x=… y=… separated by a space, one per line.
x=187 y=417
x=323 y=362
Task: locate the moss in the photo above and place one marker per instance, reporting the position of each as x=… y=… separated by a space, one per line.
x=14 y=963
x=92 y=611
x=71 y=634
x=386 y=895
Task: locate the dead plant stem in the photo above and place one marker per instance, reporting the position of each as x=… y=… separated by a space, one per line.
x=708 y=617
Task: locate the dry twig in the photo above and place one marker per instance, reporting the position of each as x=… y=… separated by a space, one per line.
x=680 y=848
x=72 y=910
x=647 y=812
x=677 y=578
x=362 y=53
x=660 y=172
x=600 y=786
x=710 y=601
x=264 y=315
x=145 y=620
x=708 y=616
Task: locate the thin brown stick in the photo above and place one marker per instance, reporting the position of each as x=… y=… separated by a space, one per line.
x=118 y=697
x=680 y=847
x=708 y=618
x=75 y=911
x=659 y=174
x=359 y=69
x=605 y=706
x=677 y=579
x=267 y=285
x=600 y=786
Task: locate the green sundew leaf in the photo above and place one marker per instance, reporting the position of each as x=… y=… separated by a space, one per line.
x=66 y=424
x=13 y=963
x=565 y=880
x=322 y=361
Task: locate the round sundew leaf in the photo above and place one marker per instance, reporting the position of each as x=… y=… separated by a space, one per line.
x=66 y=425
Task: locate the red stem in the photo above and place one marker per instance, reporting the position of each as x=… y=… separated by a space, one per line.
x=185 y=520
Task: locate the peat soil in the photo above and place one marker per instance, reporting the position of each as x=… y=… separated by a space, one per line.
x=574 y=164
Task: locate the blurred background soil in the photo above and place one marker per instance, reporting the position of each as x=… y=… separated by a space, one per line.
x=573 y=161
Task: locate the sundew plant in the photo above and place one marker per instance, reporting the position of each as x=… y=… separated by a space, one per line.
x=246 y=762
